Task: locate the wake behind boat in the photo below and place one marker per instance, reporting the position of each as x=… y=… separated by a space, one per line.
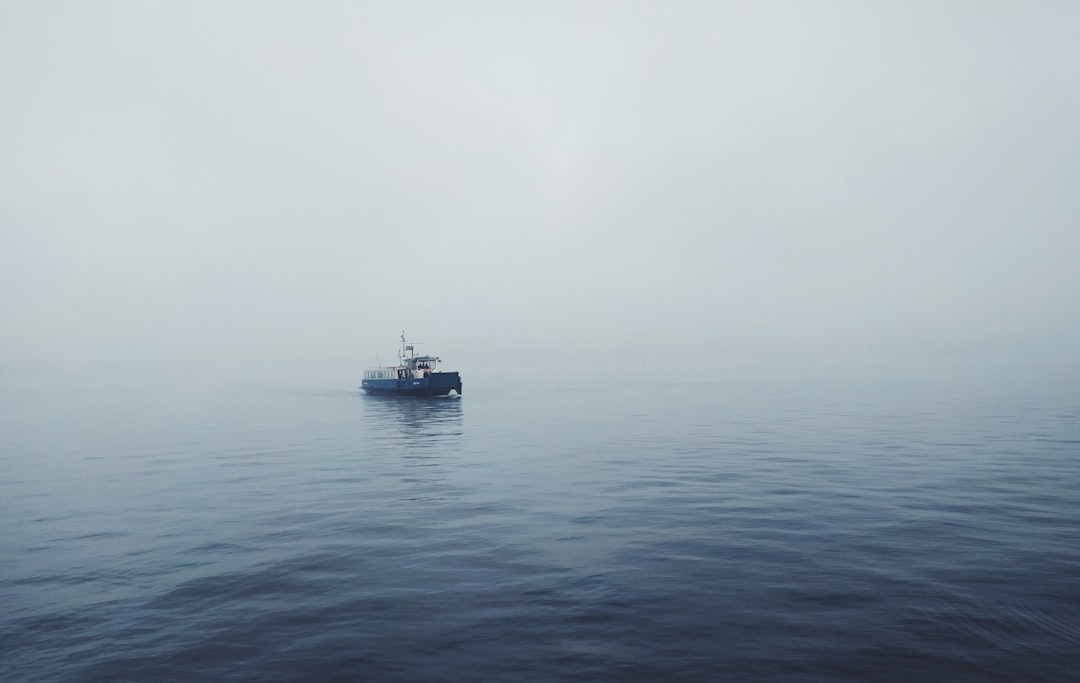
x=413 y=376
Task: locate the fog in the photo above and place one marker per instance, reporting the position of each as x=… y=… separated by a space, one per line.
x=270 y=189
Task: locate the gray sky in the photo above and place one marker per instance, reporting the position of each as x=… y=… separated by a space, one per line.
x=269 y=185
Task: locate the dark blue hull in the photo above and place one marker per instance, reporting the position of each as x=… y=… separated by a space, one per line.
x=406 y=392
x=434 y=384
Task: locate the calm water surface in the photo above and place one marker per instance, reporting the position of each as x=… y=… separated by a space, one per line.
x=669 y=531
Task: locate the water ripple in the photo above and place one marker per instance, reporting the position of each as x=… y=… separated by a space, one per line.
x=689 y=532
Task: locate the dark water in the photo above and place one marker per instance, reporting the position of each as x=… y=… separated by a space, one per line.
x=655 y=532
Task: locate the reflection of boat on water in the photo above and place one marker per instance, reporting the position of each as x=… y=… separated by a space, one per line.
x=432 y=421
x=413 y=376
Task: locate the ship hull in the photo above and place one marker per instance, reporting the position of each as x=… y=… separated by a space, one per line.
x=434 y=384
x=406 y=392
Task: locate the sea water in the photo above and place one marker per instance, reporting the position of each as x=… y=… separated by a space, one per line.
x=590 y=531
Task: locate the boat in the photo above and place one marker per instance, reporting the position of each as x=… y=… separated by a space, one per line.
x=414 y=375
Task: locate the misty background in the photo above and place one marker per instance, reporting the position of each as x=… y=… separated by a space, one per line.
x=277 y=190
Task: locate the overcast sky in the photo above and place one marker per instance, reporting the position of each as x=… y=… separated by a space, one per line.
x=282 y=185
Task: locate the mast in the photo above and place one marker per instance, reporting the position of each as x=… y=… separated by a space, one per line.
x=410 y=348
